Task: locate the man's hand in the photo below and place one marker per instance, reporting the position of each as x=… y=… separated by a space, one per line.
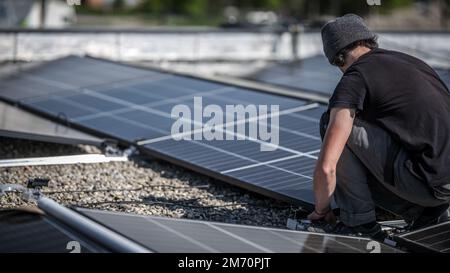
x=329 y=217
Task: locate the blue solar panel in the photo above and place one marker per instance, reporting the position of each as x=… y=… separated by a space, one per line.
x=180 y=235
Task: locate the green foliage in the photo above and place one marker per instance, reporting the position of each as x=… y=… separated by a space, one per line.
x=392 y=4
x=196 y=7
x=207 y=7
x=186 y=7
x=156 y=6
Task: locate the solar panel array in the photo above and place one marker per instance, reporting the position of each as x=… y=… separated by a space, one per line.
x=432 y=239
x=313 y=74
x=179 y=235
x=134 y=105
x=17 y=123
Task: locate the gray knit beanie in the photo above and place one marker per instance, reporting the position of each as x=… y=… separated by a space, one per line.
x=343 y=31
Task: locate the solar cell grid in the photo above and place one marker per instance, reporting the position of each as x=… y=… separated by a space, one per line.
x=89 y=102
x=153 y=104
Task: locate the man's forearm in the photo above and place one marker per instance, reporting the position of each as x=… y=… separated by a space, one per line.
x=336 y=136
x=324 y=186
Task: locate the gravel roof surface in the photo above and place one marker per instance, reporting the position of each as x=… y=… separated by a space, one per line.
x=144 y=187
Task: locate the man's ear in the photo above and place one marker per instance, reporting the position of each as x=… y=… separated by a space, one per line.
x=340 y=60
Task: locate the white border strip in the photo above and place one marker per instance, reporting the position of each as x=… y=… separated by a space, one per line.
x=61 y=160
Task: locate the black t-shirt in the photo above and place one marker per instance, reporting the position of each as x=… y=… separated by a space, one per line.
x=406 y=97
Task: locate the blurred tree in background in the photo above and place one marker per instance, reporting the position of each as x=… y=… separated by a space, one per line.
x=202 y=11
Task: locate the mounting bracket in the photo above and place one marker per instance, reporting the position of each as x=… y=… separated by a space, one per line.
x=111 y=148
x=28 y=194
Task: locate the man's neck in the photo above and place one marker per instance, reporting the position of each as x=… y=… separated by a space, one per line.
x=354 y=55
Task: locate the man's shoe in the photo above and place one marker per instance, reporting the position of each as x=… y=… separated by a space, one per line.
x=431 y=216
x=372 y=230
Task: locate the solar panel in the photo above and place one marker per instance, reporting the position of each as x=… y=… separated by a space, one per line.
x=134 y=105
x=313 y=74
x=17 y=123
x=64 y=74
x=286 y=176
x=179 y=235
x=445 y=76
x=431 y=239
x=29 y=232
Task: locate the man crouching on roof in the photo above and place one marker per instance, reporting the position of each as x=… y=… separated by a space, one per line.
x=386 y=136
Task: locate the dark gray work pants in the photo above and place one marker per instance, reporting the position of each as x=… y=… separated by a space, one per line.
x=371 y=172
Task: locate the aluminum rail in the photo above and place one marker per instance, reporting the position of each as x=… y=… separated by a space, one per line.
x=148 y=30
x=193 y=30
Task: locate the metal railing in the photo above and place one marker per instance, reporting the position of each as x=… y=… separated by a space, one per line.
x=196 y=44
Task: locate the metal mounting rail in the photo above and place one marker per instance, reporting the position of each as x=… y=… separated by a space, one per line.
x=61 y=160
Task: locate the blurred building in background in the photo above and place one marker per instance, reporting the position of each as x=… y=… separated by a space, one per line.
x=58 y=14
x=36 y=13
x=14 y=12
x=211 y=36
